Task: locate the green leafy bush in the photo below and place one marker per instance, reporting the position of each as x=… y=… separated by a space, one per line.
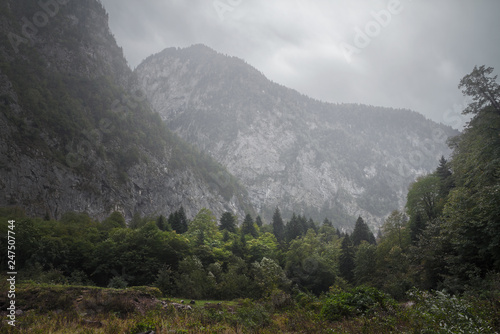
x=144 y=326
x=440 y=312
x=360 y=300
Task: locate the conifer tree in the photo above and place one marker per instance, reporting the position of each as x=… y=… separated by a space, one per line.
x=362 y=232
x=294 y=228
x=326 y=222
x=178 y=221
x=278 y=226
x=228 y=222
x=258 y=221
x=248 y=227
x=445 y=176
x=346 y=259
x=163 y=224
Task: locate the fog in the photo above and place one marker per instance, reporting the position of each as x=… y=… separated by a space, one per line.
x=393 y=53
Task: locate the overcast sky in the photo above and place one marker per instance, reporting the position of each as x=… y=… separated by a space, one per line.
x=396 y=53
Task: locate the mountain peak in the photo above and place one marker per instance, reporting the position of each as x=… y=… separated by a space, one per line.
x=320 y=159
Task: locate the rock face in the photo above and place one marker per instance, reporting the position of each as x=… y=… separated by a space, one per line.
x=76 y=135
x=317 y=159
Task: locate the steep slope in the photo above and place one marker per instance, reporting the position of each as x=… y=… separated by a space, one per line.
x=77 y=135
x=314 y=158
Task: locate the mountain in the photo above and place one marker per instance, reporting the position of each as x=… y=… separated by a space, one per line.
x=302 y=155
x=78 y=135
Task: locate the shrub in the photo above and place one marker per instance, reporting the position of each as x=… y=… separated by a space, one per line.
x=360 y=300
x=144 y=326
x=117 y=282
x=252 y=315
x=442 y=313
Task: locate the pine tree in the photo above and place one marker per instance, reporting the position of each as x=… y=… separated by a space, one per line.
x=304 y=226
x=228 y=222
x=362 y=232
x=163 y=224
x=311 y=225
x=416 y=225
x=326 y=222
x=278 y=226
x=248 y=227
x=445 y=176
x=258 y=221
x=294 y=228
x=183 y=221
x=346 y=259
x=178 y=221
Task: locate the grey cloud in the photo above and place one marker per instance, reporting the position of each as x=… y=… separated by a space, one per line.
x=415 y=62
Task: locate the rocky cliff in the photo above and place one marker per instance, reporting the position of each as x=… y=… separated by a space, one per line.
x=77 y=135
x=318 y=159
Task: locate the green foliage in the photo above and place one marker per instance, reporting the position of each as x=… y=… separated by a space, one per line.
x=311 y=264
x=248 y=227
x=483 y=89
x=365 y=264
x=362 y=233
x=178 y=221
x=278 y=226
x=144 y=326
x=228 y=222
x=443 y=313
x=117 y=282
x=165 y=281
x=346 y=260
x=252 y=315
x=115 y=220
x=203 y=228
x=360 y=300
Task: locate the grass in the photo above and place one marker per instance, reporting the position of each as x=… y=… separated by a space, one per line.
x=55 y=309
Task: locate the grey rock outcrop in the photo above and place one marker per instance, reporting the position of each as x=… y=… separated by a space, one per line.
x=47 y=172
x=305 y=156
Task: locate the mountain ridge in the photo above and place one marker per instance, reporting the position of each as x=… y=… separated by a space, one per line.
x=262 y=131
x=76 y=133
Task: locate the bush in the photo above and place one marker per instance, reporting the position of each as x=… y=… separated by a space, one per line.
x=144 y=326
x=360 y=300
x=443 y=313
x=252 y=315
x=117 y=282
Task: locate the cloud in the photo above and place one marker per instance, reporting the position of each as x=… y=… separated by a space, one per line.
x=414 y=61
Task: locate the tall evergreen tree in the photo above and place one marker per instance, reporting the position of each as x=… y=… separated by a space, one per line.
x=178 y=221
x=304 y=226
x=326 y=222
x=278 y=226
x=416 y=226
x=163 y=224
x=443 y=171
x=362 y=232
x=182 y=220
x=346 y=259
x=258 y=221
x=312 y=225
x=294 y=228
x=228 y=222
x=248 y=227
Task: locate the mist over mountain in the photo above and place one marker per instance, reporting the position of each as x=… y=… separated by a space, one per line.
x=77 y=134
x=302 y=155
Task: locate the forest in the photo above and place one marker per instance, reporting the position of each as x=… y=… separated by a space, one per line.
x=440 y=254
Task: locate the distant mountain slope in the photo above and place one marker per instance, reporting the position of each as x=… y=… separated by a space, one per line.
x=319 y=159
x=76 y=134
